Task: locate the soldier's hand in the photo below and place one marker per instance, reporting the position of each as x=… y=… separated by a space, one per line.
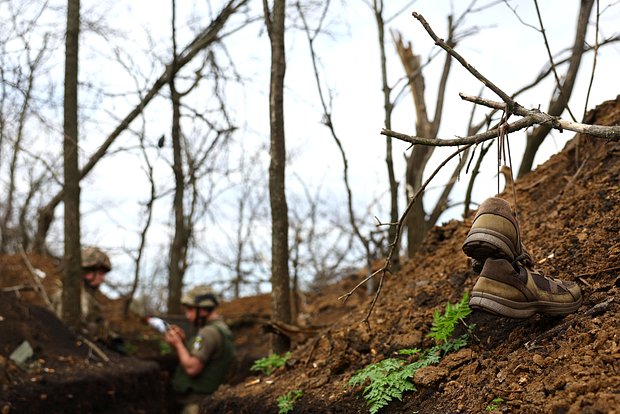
x=175 y=335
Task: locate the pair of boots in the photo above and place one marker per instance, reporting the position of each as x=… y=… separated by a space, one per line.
x=507 y=285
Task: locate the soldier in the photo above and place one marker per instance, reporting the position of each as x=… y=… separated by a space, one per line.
x=205 y=359
x=95 y=265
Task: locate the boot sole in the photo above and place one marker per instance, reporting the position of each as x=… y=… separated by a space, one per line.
x=499 y=306
x=482 y=244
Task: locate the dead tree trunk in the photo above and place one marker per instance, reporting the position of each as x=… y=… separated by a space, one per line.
x=72 y=261
x=178 y=247
x=280 y=279
x=416 y=163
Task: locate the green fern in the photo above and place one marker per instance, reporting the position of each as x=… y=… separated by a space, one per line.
x=270 y=363
x=443 y=325
x=287 y=401
x=390 y=378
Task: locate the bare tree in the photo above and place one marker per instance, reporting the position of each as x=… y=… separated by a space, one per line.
x=148 y=207
x=274 y=21
x=419 y=222
x=311 y=35
x=388 y=107
x=203 y=40
x=178 y=249
x=323 y=246
x=19 y=75
x=72 y=271
x=559 y=101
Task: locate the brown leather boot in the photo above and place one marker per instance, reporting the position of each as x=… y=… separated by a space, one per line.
x=513 y=290
x=494 y=233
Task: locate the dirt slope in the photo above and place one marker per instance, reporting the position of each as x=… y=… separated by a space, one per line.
x=570 y=213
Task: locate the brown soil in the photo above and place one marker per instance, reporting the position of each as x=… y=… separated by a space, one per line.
x=569 y=209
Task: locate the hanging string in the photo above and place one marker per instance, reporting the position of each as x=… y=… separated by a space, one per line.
x=504 y=158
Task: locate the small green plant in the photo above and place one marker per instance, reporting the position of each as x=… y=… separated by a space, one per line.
x=388 y=379
x=129 y=348
x=270 y=363
x=494 y=404
x=164 y=348
x=443 y=325
x=287 y=401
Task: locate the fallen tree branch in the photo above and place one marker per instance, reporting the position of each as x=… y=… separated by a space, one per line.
x=474 y=139
x=38 y=285
x=94 y=348
x=530 y=117
x=18 y=288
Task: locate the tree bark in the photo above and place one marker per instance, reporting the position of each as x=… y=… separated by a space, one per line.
x=280 y=279
x=72 y=260
x=178 y=246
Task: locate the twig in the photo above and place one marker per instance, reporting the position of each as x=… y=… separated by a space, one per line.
x=327 y=335
x=17 y=288
x=596 y=45
x=94 y=348
x=531 y=117
x=289 y=330
x=474 y=139
x=470 y=186
x=399 y=228
x=611 y=132
x=569 y=183
x=439 y=42
x=39 y=286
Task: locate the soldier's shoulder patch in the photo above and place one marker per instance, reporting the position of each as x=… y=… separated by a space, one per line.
x=198 y=343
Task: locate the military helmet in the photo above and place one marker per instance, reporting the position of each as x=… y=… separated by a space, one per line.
x=200 y=297
x=94 y=258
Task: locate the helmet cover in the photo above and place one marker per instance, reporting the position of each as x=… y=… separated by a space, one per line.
x=95 y=258
x=200 y=297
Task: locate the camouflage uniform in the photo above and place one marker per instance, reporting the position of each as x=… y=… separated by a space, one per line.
x=213 y=345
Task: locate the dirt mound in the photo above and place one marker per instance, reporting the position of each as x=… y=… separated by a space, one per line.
x=569 y=209
x=63 y=372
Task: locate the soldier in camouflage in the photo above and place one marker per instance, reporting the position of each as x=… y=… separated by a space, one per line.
x=204 y=360
x=95 y=265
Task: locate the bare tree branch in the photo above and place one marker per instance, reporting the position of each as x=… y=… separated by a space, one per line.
x=385 y=269
x=530 y=117
x=203 y=40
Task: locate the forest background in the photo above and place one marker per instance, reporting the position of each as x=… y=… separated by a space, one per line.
x=127 y=198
